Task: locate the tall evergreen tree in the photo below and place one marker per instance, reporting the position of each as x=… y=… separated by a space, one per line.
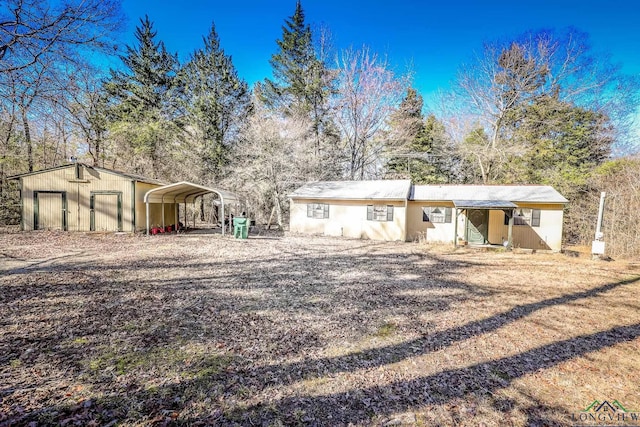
x=293 y=67
x=144 y=111
x=216 y=101
x=417 y=146
x=406 y=124
x=302 y=83
x=564 y=143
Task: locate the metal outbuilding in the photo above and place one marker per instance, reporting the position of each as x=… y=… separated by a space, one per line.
x=184 y=192
x=80 y=197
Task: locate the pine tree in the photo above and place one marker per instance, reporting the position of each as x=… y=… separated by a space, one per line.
x=293 y=66
x=417 y=146
x=143 y=96
x=302 y=84
x=216 y=101
x=564 y=143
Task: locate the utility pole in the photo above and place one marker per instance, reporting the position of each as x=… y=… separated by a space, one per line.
x=597 y=246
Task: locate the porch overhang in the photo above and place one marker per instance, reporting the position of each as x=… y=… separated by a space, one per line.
x=505 y=205
x=484 y=204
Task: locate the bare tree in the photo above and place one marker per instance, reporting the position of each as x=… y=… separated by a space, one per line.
x=495 y=89
x=84 y=103
x=619 y=179
x=31 y=30
x=41 y=45
x=368 y=92
x=271 y=159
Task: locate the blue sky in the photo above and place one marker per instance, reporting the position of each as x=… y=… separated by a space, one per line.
x=432 y=37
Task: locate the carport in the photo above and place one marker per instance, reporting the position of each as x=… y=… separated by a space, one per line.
x=186 y=192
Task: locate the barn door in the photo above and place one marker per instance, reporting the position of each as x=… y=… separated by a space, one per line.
x=106 y=211
x=49 y=210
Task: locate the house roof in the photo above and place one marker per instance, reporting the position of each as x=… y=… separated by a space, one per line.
x=132 y=176
x=358 y=190
x=488 y=193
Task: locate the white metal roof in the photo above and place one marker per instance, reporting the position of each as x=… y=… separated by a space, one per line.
x=354 y=190
x=182 y=192
x=467 y=193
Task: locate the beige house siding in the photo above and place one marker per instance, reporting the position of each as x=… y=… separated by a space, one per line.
x=432 y=232
x=349 y=219
x=114 y=199
x=548 y=236
x=348 y=215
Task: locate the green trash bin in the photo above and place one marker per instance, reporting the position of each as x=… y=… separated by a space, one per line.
x=240 y=228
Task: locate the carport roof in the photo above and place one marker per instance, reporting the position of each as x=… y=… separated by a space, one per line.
x=182 y=192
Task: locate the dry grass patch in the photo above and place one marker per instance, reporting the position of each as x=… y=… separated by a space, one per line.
x=100 y=329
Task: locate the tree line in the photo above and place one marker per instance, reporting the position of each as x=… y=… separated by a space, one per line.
x=540 y=108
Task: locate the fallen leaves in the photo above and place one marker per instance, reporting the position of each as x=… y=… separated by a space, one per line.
x=200 y=330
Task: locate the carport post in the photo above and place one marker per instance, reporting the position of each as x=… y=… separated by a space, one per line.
x=163 y=212
x=147 y=203
x=176 y=214
x=222 y=214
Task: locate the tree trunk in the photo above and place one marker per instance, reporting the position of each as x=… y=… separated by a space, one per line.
x=27 y=139
x=5 y=153
x=278 y=211
x=273 y=210
x=96 y=157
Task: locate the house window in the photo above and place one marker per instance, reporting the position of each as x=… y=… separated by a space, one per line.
x=379 y=213
x=435 y=215
x=524 y=216
x=317 y=210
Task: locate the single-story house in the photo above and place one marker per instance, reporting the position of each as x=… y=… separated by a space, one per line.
x=525 y=216
x=374 y=210
x=80 y=197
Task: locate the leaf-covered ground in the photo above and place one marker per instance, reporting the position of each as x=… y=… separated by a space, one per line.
x=298 y=330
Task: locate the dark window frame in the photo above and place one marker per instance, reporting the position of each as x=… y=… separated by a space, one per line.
x=532 y=220
x=314 y=210
x=428 y=215
x=376 y=213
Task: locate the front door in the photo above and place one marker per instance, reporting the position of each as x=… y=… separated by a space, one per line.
x=477 y=226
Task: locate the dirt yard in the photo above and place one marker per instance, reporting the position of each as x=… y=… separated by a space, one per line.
x=296 y=330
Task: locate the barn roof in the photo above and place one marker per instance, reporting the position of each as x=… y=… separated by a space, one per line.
x=487 y=193
x=359 y=190
x=132 y=176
